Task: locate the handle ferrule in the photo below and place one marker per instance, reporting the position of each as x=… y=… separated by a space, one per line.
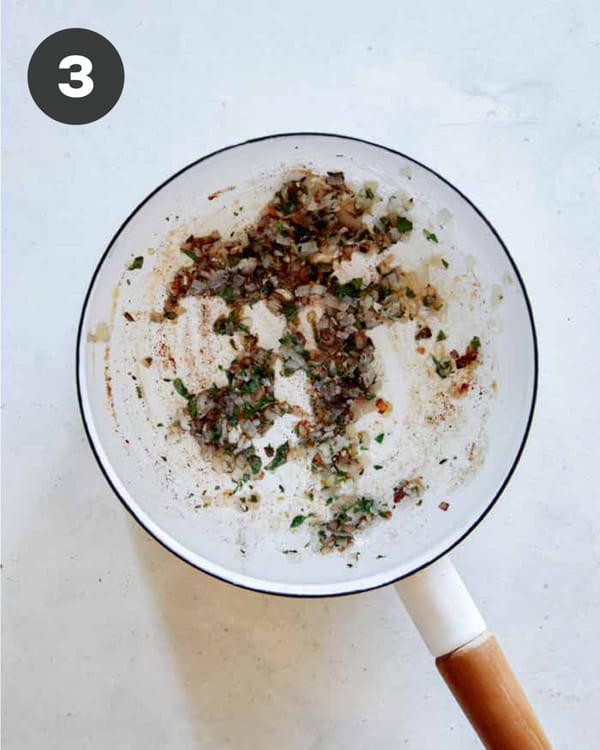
x=441 y=607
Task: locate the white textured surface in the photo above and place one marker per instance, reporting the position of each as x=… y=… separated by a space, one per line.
x=111 y=642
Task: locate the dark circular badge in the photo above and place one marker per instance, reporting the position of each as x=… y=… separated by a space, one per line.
x=75 y=76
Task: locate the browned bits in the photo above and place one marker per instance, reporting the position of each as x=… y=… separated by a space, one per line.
x=444 y=505
x=423 y=333
x=383 y=406
x=399 y=494
x=467 y=358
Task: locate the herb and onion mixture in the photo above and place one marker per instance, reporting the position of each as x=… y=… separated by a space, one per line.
x=292 y=259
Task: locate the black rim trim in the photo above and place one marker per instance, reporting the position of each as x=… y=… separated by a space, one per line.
x=516 y=459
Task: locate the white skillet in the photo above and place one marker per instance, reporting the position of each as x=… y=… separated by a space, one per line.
x=428 y=584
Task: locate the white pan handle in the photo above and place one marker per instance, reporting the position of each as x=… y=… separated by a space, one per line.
x=470 y=660
x=441 y=607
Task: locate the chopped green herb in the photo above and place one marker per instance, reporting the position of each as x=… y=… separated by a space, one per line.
x=364 y=505
x=138 y=390
x=290 y=310
x=250 y=386
x=442 y=367
x=377 y=467
x=441 y=336
x=409 y=293
x=329 y=501
x=190 y=254
x=228 y=325
x=180 y=388
x=475 y=342
x=192 y=407
x=280 y=458
x=227 y=294
x=403 y=225
x=297 y=521
x=445 y=263
x=430 y=236
x=255 y=463
x=380 y=438
x=351 y=289
x=263 y=402
x=136 y=263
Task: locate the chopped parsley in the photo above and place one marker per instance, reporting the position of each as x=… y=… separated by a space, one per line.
x=380 y=438
x=351 y=289
x=430 y=236
x=290 y=310
x=404 y=225
x=227 y=294
x=297 y=521
x=441 y=336
x=190 y=254
x=136 y=263
x=180 y=388
x=280 y=458
x=364 y=505
x=253 y=461
x=442 y=367
x=227 y=325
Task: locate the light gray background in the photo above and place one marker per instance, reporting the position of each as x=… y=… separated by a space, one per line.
x=109 y=642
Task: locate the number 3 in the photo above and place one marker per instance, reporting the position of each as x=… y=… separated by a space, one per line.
x=82 y=76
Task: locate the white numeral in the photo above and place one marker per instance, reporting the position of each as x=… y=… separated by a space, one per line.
x=82 y=75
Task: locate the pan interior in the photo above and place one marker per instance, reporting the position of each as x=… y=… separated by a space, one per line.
x=178 y=496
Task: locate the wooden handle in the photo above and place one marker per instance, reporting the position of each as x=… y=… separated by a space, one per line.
x=491 y=697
